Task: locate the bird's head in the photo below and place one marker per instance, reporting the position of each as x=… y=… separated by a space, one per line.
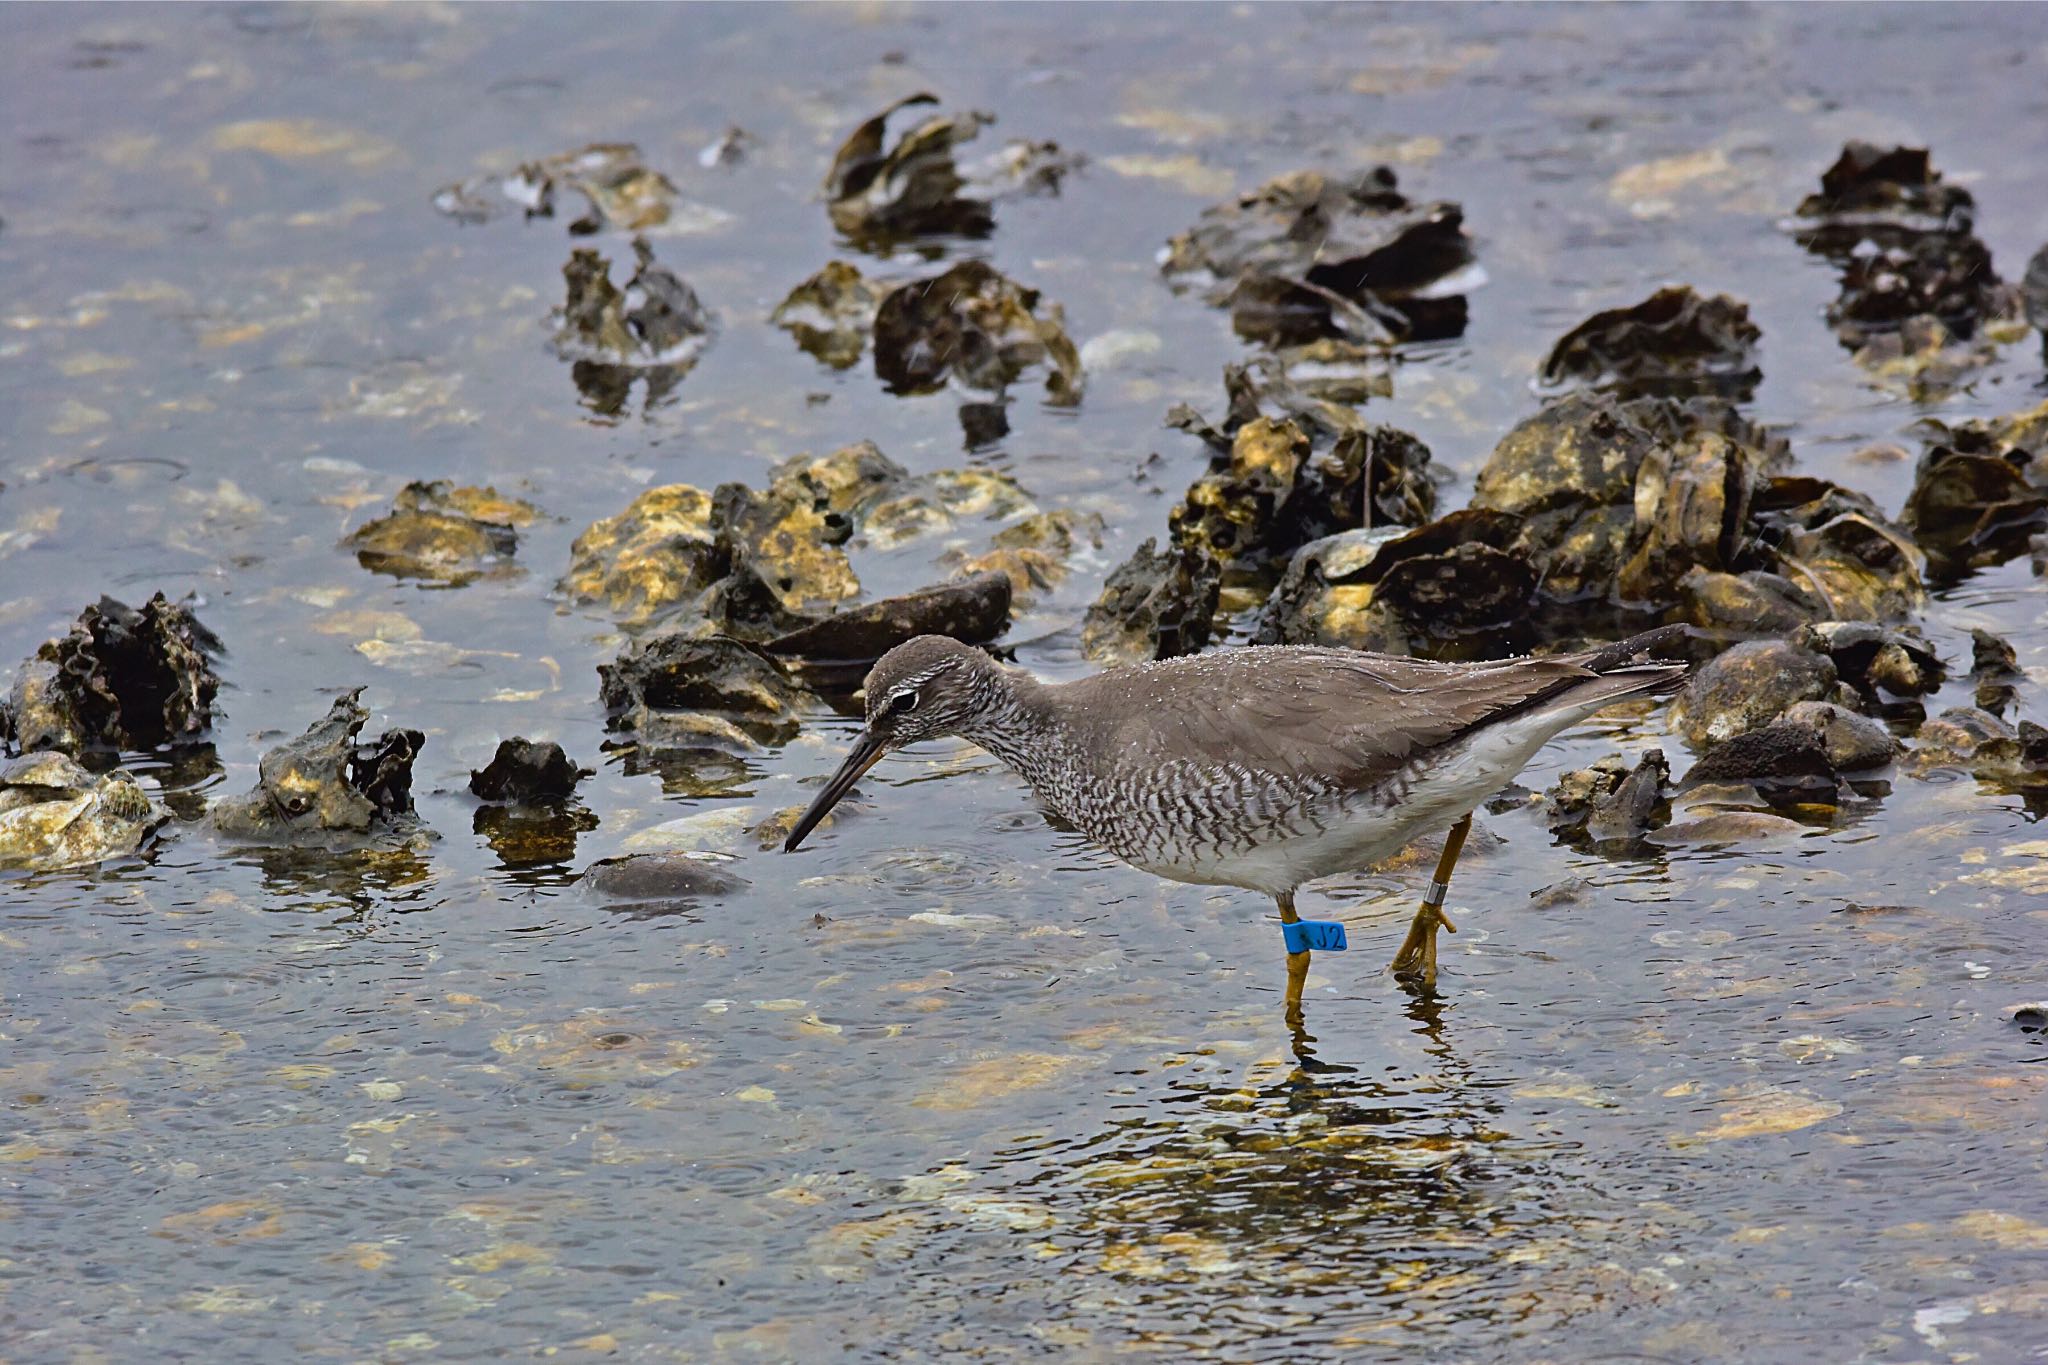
x=925 y=688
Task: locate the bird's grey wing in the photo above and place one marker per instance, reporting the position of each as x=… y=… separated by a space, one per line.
x=1351 y=718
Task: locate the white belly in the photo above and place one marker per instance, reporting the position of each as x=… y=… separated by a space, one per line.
x=1359 y=830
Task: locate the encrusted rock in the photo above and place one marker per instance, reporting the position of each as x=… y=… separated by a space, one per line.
x=1746 y=688
x=974 y=325
x=1691 y=512
x=880 y=191
x=1852 y=742
x=119 y=679
x=1371 y=476
x=1272 y=494
x=1158 y=604
x=1675 y=342
x=1230 y=511
x=781 y=567
x=661 y=551
x=1391 y=590
x=1612 y=802
x=831 y=314
x=54 y=814
x=662 y=690
x=1310 y=255
x=1756 y=603
x=841 y=486
x=1995 y=669
x=1571 y=474
x=763 y=564
x=325 y=787
x=443 y=534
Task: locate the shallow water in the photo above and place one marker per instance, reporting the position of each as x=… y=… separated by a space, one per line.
x=949 y=1082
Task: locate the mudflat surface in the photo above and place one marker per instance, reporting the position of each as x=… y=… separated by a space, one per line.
x=949 y=1083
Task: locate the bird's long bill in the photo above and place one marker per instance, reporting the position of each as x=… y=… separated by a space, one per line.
x=866 y=750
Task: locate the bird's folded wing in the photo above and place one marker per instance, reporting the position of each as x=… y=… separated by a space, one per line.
x=1351 y=719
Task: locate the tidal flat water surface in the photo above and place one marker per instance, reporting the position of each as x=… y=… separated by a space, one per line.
x=948 y=1083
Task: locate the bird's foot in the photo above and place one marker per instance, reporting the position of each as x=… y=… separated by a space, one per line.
x=1414 y=966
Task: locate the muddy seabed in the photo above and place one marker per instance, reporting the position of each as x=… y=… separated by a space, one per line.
x=949 y=1083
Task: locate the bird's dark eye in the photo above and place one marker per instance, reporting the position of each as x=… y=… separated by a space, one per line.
x=903 y=701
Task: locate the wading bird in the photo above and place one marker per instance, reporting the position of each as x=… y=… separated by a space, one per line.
x=1262 y=768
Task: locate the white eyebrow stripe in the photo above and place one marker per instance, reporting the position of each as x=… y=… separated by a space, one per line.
x=918 y=680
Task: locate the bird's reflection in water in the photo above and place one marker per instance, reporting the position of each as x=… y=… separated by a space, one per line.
x=1426 y=1007
x=1364 y=1206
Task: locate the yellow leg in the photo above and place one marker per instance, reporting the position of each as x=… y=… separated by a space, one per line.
x=1297 y=964
x=1415 y=964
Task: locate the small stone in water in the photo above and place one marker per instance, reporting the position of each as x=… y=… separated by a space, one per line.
x=642 y=878
x=525 y=771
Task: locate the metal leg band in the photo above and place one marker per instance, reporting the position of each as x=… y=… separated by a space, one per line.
x=1433 y=898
